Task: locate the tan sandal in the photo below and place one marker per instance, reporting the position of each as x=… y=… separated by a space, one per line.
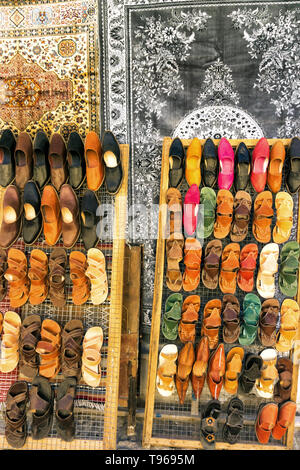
x=38 y=275
x=49 y=349
x=91 y=356
x=289 y=318
x=166 y=370
x=10 y=342
x=96 y=272
x=81 y=284
x=16 y=275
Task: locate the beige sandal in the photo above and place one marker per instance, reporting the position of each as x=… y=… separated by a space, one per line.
x=96 y=272
x=10 y=342
x=91 y=356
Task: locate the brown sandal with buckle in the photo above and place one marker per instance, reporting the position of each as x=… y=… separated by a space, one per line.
x=229 y=267
x=210 y=271
x=192 y=261
x=57 y=275
x=224 y=213
x=189 y=318
x=242 y=208
x=38 y=273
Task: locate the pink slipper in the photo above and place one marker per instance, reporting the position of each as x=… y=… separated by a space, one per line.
x=190 y=209
x=260 y=162
x=226 y=164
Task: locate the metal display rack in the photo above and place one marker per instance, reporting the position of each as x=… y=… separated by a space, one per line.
x=167 y=423
x=96 y=409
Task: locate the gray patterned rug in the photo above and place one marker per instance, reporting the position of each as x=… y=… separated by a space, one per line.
x=194 y=68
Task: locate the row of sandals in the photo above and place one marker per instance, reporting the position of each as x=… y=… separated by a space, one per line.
x=233 y=266
x=51 y=213
x=46 y=277
x=221 y=165
x=263 y=374
x=226 y=215
x=274 y=324
x=44 y=348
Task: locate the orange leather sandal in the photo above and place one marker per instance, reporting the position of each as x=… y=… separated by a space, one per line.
x=16 y=275
x=224 y=213
x=248 y=258
x=263 y=213
x=38 y=274
x=10 y=342
x=174 y=246
x=49 y=349
x=189 y=318
x=234 y=362
x=211 y=322
x=229 y=267
x=192 y=261
x=81 y=284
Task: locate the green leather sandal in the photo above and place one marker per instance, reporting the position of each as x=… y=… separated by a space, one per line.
x=250 y=317
x=173 y=306
x=169 y=328
x=288 y=270
x=205 y=225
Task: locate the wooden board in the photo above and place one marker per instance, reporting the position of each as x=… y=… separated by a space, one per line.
x=148 y=439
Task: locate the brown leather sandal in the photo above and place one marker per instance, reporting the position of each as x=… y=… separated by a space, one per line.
x=263 y=213
x=189 y=318
x=224 y=213
x=49 y=349
x=71 y=349
x=211 y=322
x=16 y=275
x=229 y=267
x=192 y=261
x=57 y=275
x=38 y=275
x=242 y=208
x=174 y=201
x=30 y=335
x=3 y=265
x=267 y=322
x=231 y=320
x=81 y=284
x=174 y=253
x=15 y=414
x=210 y=271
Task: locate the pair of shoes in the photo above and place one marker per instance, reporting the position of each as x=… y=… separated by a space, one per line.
x=15 y=159
x=175 y=240
x=273 y=419
x=41 y=399
x=233 y=215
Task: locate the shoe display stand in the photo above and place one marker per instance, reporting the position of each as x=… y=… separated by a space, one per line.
x=96 y=408
x=167 y=423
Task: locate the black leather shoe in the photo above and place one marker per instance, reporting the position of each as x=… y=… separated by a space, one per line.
x=176 y=163
x=89 y=219
x=112 y=162
x=32 y=219
x=41 y=168
x=293 y=166
x=7 y=161
x=242 y=167
x=209 y=164
x=75 y=159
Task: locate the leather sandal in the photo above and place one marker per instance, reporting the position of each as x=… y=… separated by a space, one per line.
x=192 y=261
x=205 y=224
x=268 y=267
x=3 y=266
x=265 y=421
x=172 y=316
x=216 y=371
x=41 y=406
x=200 y=366
x=284 y=217
x=30 y=335
x=283 y=388
x=166 y=370
x=81 y=284
x=234 y=421
x=209 y=424
x=241 y=216
x=189 y=318
x=229 y=267
x=16 y=275
x=251 y=371
x=64 y=414
x=174 y=202
x=38 y=275
x=267 y=322
x=264 y=386
x=210 y=271
x=211 y=322
x=289 y=266
x=248 y=258
x=96 y=272
x=10 y=342
x=186 y=359
x=49 y=349
x=190 y=210
x=263 y=213
x=71 y=349
x=286 y=417
x=57 y=276
x=231 y=320
x=234 y=363
x=174 y=254
x=289 y=318
x=15 y=414
x=224 y=213
x=250 y=317
x=91 y=356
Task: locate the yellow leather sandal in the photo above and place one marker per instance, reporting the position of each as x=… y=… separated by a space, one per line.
x=289 y=318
